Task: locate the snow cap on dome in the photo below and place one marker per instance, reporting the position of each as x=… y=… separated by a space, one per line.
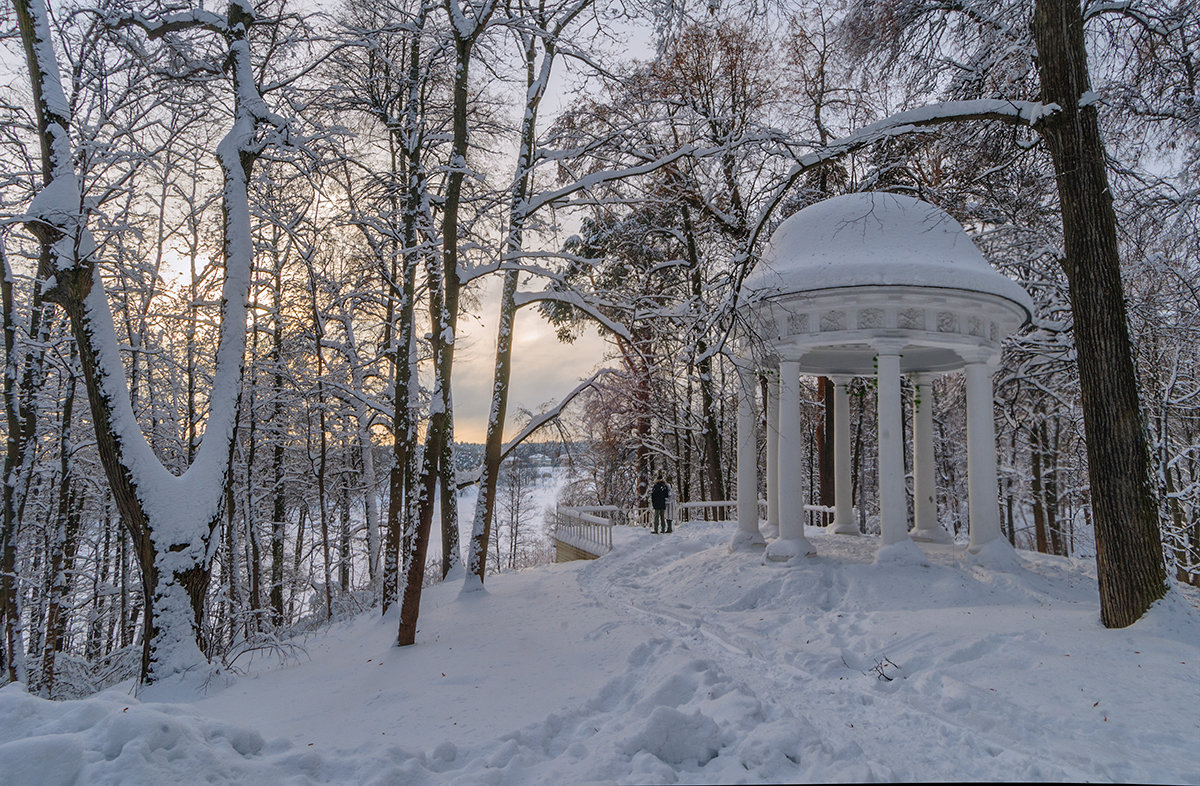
x=876 y=239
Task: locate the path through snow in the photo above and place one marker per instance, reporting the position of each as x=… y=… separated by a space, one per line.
x=672 y=660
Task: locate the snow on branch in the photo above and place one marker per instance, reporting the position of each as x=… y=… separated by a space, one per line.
x=607 y=176
x=1021 y=113
x=1025 y=113
x=574 y=299
x=1133 y=10
x=536 y=423
x=552 y=413
x=159 y=26
x=467 y=26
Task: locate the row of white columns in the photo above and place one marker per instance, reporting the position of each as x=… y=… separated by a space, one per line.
x=785 y=504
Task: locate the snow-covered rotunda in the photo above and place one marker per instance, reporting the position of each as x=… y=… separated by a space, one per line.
x=871 y=284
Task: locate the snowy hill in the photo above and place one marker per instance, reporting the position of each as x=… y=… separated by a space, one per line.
x=672 y=660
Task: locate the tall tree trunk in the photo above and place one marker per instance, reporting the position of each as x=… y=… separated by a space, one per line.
x=443 y=308
x=125 y=619
x=102 y=604
x=710 y=431
x=12 y=645
x=297 y=557
x=825 y=437
x=323 y=443
x=1129 y=559
x=65 y=543
x=253 y=553
x=1058 y=544
x=401 y=526
x=279 y=429
x=448 y=493
x=344 y=534
x=234 y=582
x=685 y=467
x=537 y=77
x=366 y=448
x=194 y=248
x=485 y=506
x=1041 y=544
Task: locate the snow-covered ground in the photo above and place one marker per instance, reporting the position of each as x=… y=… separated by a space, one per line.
x=672 y=660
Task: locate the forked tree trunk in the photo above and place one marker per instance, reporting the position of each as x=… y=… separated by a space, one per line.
x=170 y=541
x=1129 y=557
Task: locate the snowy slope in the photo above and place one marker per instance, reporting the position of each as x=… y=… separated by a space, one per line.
x=672 y=660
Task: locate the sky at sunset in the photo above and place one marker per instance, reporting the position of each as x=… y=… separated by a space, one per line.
x=543 y=369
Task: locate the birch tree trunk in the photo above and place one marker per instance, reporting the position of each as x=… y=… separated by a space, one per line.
x=13 y=645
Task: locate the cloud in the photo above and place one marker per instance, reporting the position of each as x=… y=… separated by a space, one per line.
x=543 y=369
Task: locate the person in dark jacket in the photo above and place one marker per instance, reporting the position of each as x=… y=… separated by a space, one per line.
x=658 y=500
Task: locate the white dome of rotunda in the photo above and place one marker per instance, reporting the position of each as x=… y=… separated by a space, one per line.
x=876 y=239
x=841 y=275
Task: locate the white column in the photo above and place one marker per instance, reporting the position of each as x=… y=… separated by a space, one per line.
x=843 y=516
x=982 y=483
x=893 y=501
x=925 y=523
x=773 y=477
x=791 y=542
x=748 y=534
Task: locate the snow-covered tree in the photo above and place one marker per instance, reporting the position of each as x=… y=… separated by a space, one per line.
x=171 y=539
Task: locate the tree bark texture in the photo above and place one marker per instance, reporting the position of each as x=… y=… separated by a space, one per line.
x=12 y=646
x=1129 y=555
x=401 y=526
x=485 y=507
x=825 y=437
x=437 y=463
x=710 y=431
